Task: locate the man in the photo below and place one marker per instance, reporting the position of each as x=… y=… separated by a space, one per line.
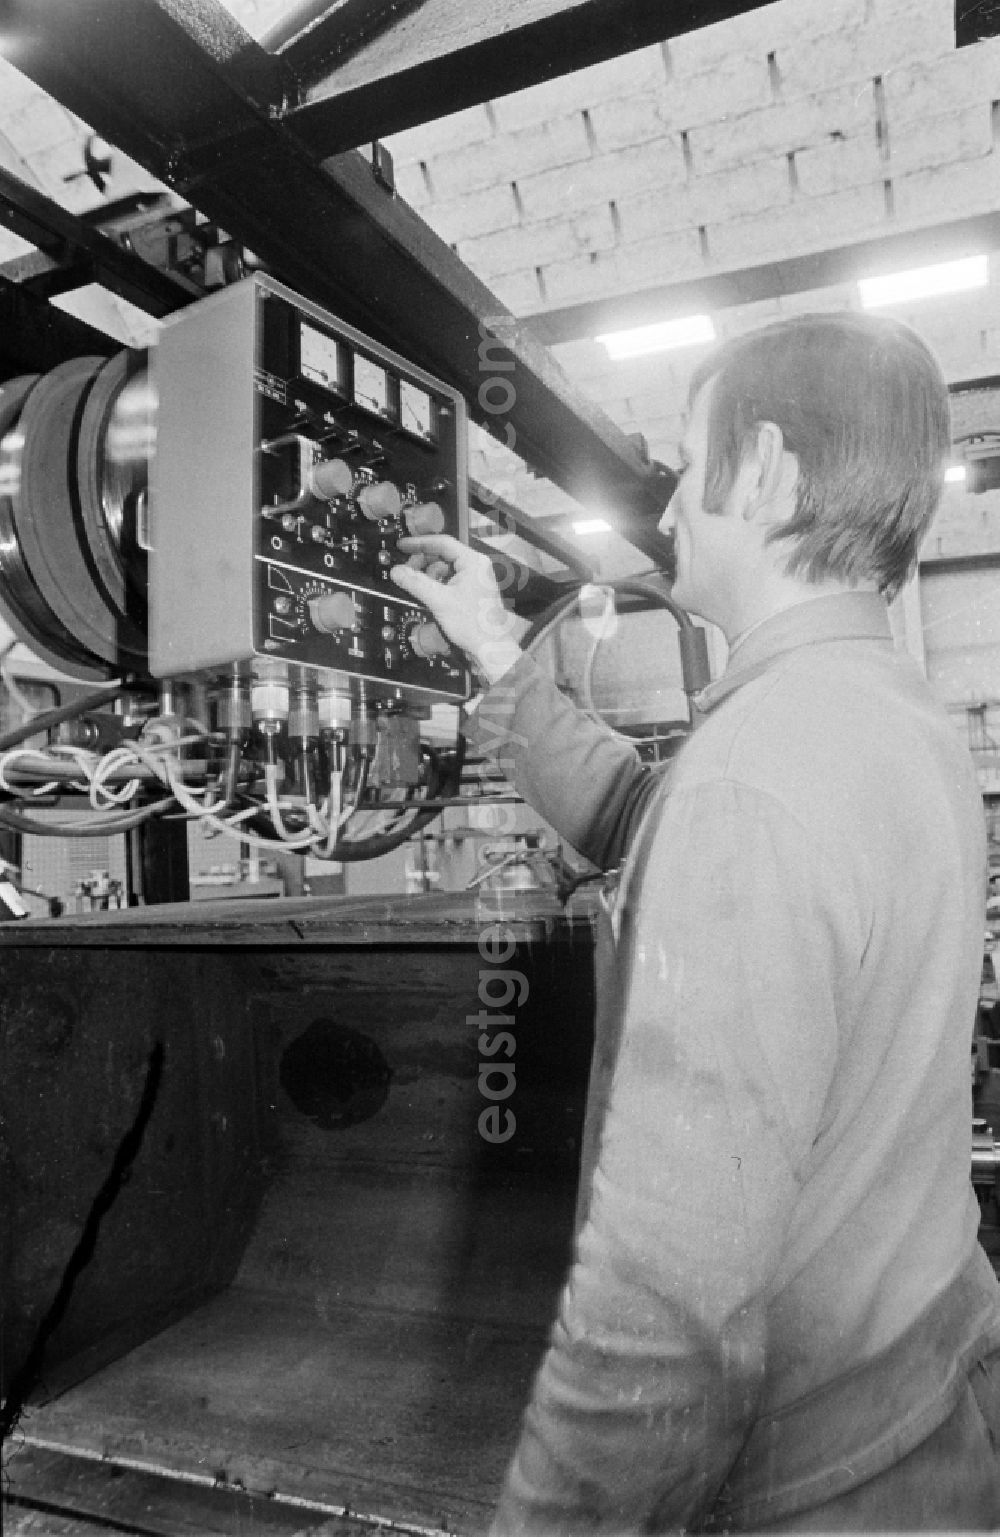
x=778 y=1317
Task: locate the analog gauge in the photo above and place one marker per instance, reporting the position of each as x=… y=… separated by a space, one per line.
x=416 y=410
x=319 y=359
x=371 y=386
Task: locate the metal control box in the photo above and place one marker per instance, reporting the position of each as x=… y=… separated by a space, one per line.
x=292 y=453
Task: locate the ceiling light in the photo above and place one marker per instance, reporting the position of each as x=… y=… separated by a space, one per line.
x=687 y=332
x=925 y=282
x=955 y=473
x=592 y=526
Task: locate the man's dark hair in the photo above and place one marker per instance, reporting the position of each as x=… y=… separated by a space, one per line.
x=862 y=403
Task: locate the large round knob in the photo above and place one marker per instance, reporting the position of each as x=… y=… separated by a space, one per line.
x=332 y=612
x=330 y=478
x=379 y=500
x=425 y=518
x=427 y=640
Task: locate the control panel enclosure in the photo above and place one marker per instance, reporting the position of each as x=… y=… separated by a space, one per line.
x=292 y=453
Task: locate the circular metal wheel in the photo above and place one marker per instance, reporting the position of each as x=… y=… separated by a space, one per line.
x=49 y=526
x=21 y=604
x=116 y=443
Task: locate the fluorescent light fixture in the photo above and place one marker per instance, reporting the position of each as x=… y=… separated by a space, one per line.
x=592 y=526
x=925 y=282
x=687 y=332
x=955 y=474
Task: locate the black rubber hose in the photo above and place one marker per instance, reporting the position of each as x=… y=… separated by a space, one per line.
x=384 y=843
x=120 y=822
x=691 y=637
x=443 y=781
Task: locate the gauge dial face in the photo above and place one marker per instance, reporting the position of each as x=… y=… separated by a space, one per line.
x=320 y=359
x=371 y=386
x=416 y=410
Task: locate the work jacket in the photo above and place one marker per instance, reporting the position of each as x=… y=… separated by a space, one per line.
x=777 y=1216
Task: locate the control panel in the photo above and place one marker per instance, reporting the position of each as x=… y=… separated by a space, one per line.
x=292 y=454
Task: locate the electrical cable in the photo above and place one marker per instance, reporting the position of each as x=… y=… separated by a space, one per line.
x=19 y=822
x=7 y=679
x=324 y=831
x=277 y=817
x=34 y=767
x=442 y=779
x=384 y=816
x=206 y=815
x=599 y=632
x=694 y=658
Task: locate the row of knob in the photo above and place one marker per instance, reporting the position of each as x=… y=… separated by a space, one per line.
x=378 y=499
x=332 y=612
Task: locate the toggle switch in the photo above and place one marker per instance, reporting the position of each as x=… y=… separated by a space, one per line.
x=332 y=612
x=427 y=640
x=380 y=499
x=425 y=518
x=330 y=478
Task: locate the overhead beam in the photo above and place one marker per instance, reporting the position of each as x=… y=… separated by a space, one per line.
x=535 y=590
x=36 y=336
x=173 y=86
x=511 y=520
x=975 y=20
x=90 y=256
x=448 y=54
x=771 y=280
x=315 y=36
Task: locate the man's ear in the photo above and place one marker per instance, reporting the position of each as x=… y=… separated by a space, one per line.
x=772 y=473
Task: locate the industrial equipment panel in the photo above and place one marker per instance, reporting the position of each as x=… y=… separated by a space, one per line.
x=292 y=453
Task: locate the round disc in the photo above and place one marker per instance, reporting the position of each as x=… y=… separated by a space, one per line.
x=21 y=604
x=116 y=442
x=49 y=530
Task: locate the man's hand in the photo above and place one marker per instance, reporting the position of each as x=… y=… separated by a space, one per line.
x=458 y=586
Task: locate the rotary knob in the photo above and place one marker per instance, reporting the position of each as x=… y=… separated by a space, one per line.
x=332 y=612
x=330 y=478
x=380 y=499
x=425 y=518
x=427 y=640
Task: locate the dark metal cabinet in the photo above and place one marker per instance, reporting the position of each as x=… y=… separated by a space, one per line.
x=331 y=1273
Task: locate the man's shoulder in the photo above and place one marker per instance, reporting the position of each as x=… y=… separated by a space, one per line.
x=796 y=695
x=825 y=718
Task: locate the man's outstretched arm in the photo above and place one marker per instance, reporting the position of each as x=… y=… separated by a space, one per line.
x=588 y=783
